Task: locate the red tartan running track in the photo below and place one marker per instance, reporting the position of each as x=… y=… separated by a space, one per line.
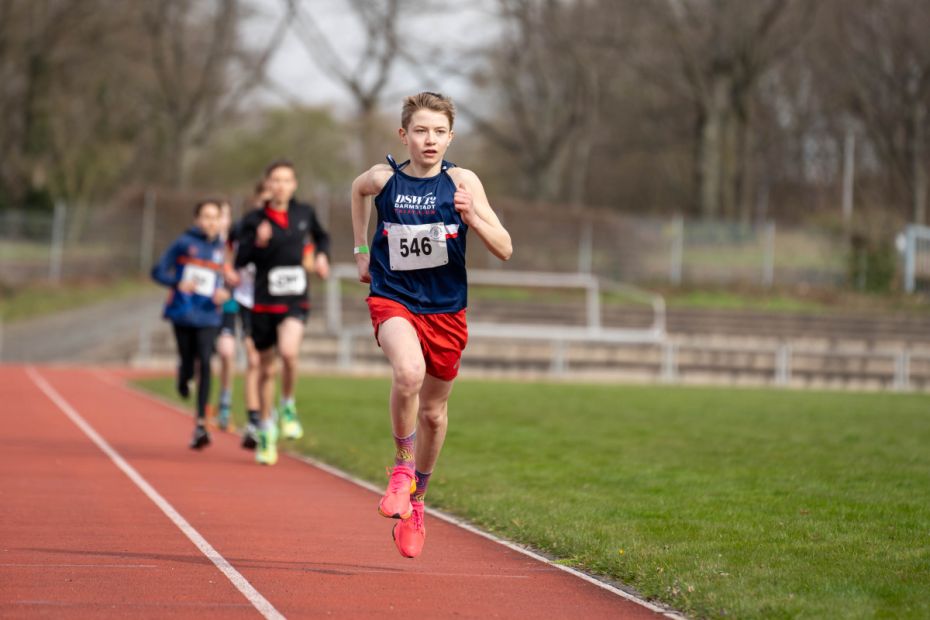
x=105 y=512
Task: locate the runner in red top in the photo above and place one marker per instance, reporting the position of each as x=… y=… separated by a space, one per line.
x=285 y=242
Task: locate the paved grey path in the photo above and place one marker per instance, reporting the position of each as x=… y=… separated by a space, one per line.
x=89 y=333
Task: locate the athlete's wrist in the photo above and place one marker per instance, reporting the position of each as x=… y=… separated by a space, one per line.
x=361 y=249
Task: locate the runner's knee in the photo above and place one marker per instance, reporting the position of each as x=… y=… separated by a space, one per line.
x=226 y=346
x=435 y=416
x=289 y=355
x=408 y=377
x=267 y=369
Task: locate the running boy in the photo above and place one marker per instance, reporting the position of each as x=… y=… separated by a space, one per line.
x=192 y=268
x=244 y=294
x=226 y=341
x=416 y=268
x=285 y=241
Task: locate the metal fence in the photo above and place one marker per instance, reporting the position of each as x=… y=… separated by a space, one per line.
x=914 y=245
x=127 y=236
x=123 y=238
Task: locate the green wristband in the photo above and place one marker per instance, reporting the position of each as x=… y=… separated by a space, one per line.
x=360 y=249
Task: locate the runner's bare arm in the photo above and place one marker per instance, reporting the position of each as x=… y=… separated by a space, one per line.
x=472 y=204
x=320 y=239
x=230 y=275
x=309 y=259
x=368 y=184
x=221 y=296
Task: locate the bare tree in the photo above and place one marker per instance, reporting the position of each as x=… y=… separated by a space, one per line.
x=884 y=56
x=366 y=76
x=39 y=42
x=720 y=49
x=98 y=94
x=201 y=70
x=546 y=79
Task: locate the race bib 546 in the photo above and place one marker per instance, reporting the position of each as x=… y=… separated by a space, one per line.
x=417 y=246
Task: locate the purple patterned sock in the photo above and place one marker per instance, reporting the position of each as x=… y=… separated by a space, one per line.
x=404 y=455
x=422 y=483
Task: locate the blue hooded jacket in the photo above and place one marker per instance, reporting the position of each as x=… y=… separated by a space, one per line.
x=194 y=258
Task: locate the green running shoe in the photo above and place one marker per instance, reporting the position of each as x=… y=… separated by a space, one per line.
x=266 y=453
x=290 y=423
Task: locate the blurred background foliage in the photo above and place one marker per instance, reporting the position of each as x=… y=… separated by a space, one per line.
x=713 y=109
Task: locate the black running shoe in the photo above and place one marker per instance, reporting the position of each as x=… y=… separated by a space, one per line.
x=183 y=388
x=200 y=439
x=250 y=437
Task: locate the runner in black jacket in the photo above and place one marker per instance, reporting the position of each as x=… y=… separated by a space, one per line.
x=284 y=241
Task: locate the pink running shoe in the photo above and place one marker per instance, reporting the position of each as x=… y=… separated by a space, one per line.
x=396 y=501
x=410 y=535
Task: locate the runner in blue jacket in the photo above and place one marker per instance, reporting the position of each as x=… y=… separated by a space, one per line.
x=192 y=268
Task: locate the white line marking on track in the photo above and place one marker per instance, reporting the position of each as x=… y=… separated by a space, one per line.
x=506 y=543
x=668 y=613
x=264 y=607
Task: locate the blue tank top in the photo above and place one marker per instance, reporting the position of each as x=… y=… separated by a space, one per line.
x=418 y=251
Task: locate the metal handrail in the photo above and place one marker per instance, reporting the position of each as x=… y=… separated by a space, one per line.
x=593 y=330
x=558 y=335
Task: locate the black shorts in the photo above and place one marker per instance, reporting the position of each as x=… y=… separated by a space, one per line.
x=228 y=326
x=245 y=317
x=265 y=325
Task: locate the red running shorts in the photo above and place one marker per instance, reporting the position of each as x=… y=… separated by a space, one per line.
x=442 y=336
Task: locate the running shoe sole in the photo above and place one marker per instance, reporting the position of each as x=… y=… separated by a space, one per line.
x=396 y=544
x=291 y=430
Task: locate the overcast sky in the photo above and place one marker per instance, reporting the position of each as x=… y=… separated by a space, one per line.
x=296 y=78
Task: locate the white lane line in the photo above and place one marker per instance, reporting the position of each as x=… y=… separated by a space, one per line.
x=264 y=607
x=506 y=543
x=664 y=611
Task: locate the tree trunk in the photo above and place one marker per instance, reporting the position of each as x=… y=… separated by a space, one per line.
x=368 y=137
x=746 y=172
x=578 y=167
x=712 y=135
x=918 y=164
x=730 y=164
x=175 y=150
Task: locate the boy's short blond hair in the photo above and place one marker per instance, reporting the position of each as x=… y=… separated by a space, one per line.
x=430 y=101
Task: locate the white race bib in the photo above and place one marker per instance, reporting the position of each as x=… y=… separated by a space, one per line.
x=204 y=279
x=287 y=281
x=245 y=292
x=417 y=246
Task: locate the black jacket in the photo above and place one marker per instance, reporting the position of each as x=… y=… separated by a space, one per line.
x=277 y=282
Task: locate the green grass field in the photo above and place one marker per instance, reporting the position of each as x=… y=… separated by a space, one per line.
x=718 y=502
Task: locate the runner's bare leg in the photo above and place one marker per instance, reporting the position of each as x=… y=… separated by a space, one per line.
x=290 y=335
x=400 y=344
x=268 y=370
x=252 y=372
x=433 y=421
